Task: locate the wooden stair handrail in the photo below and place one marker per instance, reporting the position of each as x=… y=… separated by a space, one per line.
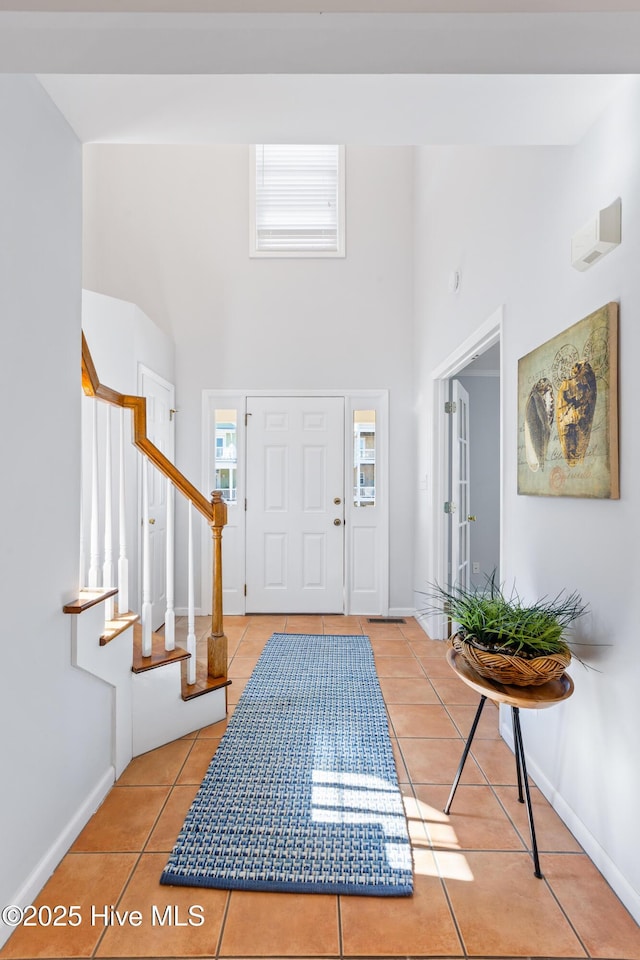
x=138 y=405
x=214 y=511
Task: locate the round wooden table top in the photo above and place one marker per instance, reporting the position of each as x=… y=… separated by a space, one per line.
x=537 y=698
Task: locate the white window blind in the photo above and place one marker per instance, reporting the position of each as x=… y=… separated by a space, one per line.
x=298 y=200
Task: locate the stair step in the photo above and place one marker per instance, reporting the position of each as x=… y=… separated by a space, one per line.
x=159 y=656
x=88 y=598
x=113 y=628
x=204 y=683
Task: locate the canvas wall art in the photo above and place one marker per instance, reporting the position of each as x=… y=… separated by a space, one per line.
x=568 y=411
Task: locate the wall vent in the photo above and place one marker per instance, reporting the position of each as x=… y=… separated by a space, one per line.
x=598 y=237
x=386 y=620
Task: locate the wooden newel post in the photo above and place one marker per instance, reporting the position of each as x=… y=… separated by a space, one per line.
x=217 y=646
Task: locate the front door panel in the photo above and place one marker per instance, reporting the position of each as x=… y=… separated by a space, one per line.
x=295 y=473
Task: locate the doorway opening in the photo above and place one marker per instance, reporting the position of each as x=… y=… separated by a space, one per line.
x=152 y=525
x=467 y=458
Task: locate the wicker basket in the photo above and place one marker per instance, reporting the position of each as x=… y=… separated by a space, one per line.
x=511 y=669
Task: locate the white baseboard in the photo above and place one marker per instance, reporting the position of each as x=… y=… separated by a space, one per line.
x=621 y=886
x=36 y=880
x=184 y=612
x=433 y=627
x=402 y=612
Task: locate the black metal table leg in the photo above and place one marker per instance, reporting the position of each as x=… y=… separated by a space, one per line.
x=465 y=753
x=522 y=766
x=517 y=753
x=537 y=697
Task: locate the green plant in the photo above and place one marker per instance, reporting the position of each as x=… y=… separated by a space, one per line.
x=489 y=618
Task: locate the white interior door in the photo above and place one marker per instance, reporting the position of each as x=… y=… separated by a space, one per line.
x=460 y=489
x=160 y=395
x=295 y=505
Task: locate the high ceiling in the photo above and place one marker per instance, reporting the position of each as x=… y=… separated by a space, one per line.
x=384 y=71
x=332 y=109
x=322 y=6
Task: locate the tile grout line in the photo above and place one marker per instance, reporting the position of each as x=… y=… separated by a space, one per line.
x=340 y=931
x=407 y=785
x=445 y=891
x=521 y=838
x=223 y=924
x=427 y=832
x=142 y=851
x=565 y=915
x=101 y=937
x=432 y=846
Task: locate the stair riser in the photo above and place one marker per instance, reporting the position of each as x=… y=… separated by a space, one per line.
x=112 y=665
x=160 y=714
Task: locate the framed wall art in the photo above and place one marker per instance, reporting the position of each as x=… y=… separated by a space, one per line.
x=568 y=411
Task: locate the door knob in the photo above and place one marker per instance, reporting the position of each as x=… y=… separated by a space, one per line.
x=337 y=522
x=152 y=520
x=337 y=501
x=471 y=518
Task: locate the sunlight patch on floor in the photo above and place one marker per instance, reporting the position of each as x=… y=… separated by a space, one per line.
x=430 y=828
x=343 y=797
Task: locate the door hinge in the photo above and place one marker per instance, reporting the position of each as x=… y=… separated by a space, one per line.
x=245 y=503
x=245 y=589
x=246 y=419
x=449 y=506
x=450 y=406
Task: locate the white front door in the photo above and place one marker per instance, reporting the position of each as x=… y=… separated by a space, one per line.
x=459 y=502
x=295 y=505
x=160 y=396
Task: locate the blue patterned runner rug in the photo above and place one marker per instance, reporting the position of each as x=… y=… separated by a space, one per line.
x=302 y=793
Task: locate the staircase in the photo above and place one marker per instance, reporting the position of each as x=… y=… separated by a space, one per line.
x=160 y=690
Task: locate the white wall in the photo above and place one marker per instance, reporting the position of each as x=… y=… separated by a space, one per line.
x=121 y=337
x=167 y=228
x=504 y=217
x=56 y=721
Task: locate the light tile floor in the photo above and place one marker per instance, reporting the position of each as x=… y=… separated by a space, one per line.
x=475 y=893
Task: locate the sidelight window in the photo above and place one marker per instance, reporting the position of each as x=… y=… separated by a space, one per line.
x=364 y=458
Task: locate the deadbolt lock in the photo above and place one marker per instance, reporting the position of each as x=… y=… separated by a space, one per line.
x=152 y=520
x=337 y=522
x=337 y=501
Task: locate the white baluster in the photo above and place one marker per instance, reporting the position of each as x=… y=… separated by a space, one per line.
x=191 y=621
x=93 y=579
x=107 y=566
x=123 y=562
x=170 y=616
x=146 y=564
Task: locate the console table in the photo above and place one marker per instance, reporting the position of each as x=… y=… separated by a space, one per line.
x=535 y=698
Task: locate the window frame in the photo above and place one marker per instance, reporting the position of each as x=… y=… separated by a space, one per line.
x=309 y=253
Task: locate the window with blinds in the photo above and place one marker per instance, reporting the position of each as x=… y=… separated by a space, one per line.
x=297 y=200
